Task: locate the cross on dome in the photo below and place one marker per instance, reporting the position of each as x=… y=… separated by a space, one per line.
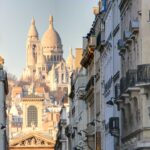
x=51 y=21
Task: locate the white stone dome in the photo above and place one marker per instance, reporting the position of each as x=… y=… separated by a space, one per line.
x=51 y=38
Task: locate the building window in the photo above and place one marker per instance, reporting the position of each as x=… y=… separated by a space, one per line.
x=32 y=116
x=48 y=58
x=57 y=58
x=62 y=66
x=54 y=58
x=62 y=77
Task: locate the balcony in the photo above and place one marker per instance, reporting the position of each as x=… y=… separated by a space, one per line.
x=87 y=58
x=92 y=42
x=121 y=45
x=131 y=78
x=89 y=45
x=134 y=26
x=123 y=85
x=127 y=37
x=128 y=82
x=143 y=75
x=101 y=40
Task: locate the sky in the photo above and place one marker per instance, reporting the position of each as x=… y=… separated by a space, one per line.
x=72 y=20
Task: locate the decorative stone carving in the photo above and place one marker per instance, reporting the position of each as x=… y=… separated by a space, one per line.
x=33 y=141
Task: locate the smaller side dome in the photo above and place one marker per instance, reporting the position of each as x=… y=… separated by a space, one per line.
x=32 y=30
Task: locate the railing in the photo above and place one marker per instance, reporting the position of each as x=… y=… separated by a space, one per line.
x=123 y=85
x=101 y=39
x=131 y=78
x=143 y=74
x=129 y=81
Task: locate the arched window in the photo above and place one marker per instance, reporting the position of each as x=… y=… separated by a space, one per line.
x=32 y=116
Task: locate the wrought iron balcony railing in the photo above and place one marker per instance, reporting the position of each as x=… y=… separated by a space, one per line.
x=143 y=74
x=131 y=78
x=123 y=85
x=129 y=81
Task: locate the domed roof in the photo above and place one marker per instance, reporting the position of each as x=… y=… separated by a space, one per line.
x=32 y=30
x=51 y=38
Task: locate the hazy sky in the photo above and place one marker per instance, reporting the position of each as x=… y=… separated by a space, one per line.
x=72 y=20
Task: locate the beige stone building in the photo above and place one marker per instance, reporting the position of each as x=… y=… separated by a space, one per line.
x=134 y=84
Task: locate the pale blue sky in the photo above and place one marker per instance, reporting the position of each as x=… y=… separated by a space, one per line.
x=72 y=20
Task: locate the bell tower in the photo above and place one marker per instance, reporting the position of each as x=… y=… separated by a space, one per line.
x=32 y=45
